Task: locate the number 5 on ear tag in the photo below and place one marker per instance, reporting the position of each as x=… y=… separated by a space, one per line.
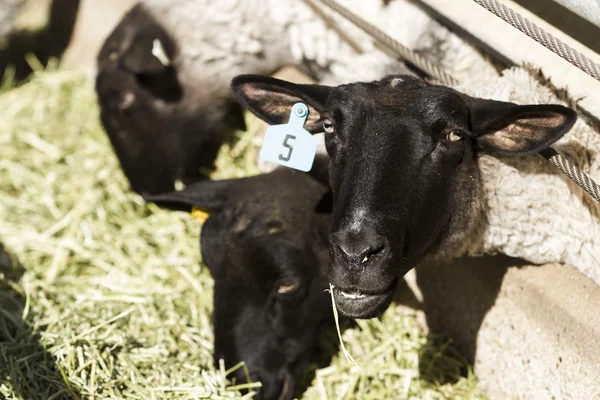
x=290 y=144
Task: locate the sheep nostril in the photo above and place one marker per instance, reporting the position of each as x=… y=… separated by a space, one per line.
x=357 y=249
x=361 y=256
x=371 y=253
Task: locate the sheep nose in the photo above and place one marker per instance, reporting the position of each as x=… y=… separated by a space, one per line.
x=357 y=248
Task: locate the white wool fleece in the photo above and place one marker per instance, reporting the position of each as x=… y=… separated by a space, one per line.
x=534 y=211
x=226 y=38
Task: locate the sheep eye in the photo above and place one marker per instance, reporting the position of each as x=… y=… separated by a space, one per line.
x=454 y=135
x=328 y=126
x=288 y=286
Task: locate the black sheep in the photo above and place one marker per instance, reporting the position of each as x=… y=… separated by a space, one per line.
x=265 y=244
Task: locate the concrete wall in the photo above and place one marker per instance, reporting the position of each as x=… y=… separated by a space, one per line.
x=532 y=332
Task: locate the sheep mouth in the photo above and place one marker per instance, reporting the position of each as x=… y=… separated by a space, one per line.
x=357 y=304
x=353 y=295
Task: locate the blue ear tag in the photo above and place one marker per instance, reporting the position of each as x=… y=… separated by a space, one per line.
x=290 y=144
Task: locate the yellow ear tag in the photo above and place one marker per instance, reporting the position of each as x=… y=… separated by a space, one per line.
x=199 y=214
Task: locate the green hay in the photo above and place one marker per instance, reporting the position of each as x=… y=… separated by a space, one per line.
x=103 y=297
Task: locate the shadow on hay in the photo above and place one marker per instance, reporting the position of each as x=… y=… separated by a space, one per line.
x=49 y=42
x=25 y=365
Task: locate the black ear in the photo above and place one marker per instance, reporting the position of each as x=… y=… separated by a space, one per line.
x=511 y=129
x=211 y=195
x=272 y=99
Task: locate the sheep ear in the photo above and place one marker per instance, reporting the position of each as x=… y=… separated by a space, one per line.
x=209 y=195
x=272 y=99
x=511 y=129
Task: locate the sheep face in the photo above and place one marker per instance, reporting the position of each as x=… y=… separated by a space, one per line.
x=265 y=244
x=156 y=138
x=403 y=169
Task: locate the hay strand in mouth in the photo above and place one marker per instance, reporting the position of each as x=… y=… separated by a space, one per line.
x=339 y=332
